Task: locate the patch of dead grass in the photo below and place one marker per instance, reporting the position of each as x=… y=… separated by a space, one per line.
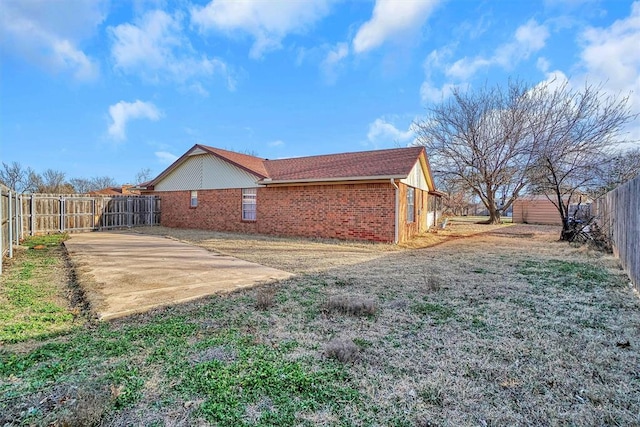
x=351 y=304
x=300 y=255
x=342 y=350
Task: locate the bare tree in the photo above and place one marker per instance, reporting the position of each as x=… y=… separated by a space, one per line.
x=84 y=185
x=620 y=167
x=458 y=200
x=100 y=182
x=573 y=132
x=51 y=181
x=81 y=185
x=34 y=182
x=480 y=139
x=143 y=175
x=14 y=176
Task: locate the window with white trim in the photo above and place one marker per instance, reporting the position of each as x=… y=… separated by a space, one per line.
x=249 y=203
x=194 y=199
x=411 y=204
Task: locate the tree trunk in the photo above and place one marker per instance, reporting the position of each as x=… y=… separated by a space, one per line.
x=494 y=216
x=567 y=231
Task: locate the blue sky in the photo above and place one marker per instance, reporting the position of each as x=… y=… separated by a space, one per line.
x=95 y=88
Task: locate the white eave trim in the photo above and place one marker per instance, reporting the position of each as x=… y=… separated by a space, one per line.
x=267 y=181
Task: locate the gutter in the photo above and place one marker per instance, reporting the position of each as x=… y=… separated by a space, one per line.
x=268 y=181
x=397 y=219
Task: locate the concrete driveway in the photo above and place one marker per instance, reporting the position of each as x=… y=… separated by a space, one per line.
x=124 y=273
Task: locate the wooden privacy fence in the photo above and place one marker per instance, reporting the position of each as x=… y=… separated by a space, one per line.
x=50 y=213
x=618 y=214
x=22 y=214
x=9 y=223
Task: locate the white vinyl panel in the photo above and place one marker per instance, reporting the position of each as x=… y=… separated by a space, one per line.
x=416 y=178
x=187 y=176
x=206 y=172
x=218 y=174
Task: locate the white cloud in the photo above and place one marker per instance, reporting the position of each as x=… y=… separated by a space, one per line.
x=392 y=19
x=436 y=60
x=432 y=94
x=612 y=56
x=528 y=39
x=464 y=68
x=165 y=157
x=382 y=132
x=124 y=111
x=277 y=143
x=332 y=61
x=543 y=64
x=268 y=22
x=48 y=33
x=156 y=48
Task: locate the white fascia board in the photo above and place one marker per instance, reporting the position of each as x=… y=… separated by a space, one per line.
x=342 y=179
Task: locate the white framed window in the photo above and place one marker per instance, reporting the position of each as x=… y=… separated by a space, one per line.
x=411 y=204
x=249 y=203
x=194 y=199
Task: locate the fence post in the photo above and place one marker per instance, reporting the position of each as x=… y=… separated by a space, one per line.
x=10 y=230
x=1 y=236
x=130 y=212
x=33 y=215
x=18 y=218
x=62 y=214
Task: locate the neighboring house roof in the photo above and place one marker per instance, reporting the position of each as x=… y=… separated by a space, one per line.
x=552 y=198
x=115 y=191
x=394 y=163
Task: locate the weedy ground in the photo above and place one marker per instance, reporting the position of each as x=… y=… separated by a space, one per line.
x=509 y=327
x=34 y=297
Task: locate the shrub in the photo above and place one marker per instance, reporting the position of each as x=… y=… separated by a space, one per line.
x=356 y=305
x=342 y=350
x=265 y=297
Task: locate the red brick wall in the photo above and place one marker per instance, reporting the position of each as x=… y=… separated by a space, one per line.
x=219 y=210
x=341 y=211
x=344 y=211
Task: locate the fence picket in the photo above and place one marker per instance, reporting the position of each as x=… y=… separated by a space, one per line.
x=618 y=214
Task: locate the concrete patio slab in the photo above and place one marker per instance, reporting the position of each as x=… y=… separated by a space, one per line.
x=124 y=272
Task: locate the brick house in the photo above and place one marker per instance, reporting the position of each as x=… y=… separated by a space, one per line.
x=382 y=195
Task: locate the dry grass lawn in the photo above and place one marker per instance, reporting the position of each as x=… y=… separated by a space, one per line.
x=506 y=327
x=308 y=255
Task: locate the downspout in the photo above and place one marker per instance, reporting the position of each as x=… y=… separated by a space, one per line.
x=397 y=219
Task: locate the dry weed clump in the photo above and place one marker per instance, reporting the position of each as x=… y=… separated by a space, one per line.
x=64 y=405
x=342 y=350
x=265 y=297
x=433 y=282
x=353 y=305
x=89 y=409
